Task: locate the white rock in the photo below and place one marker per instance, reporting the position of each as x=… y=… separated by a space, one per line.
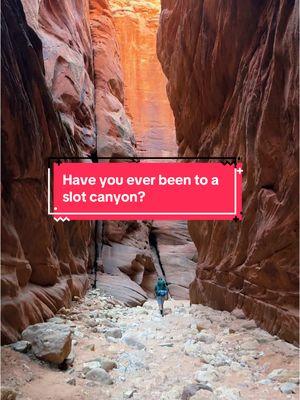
x=224 y=393
x=275 y=373
x=288 y=388
x=100 y=362
x=114 y=332
x=50 y=342
x=207 y=375
x=205 y=338
x=90 y=365
x=129 y=394
x=192 y=349
x=22 y=346
x=99 y=375
x=133 y=342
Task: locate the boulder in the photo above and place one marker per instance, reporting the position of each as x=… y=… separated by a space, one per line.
x=99 y=375
x=190 y=390
x=133 y=342
x=50 y=342
x=114 y=333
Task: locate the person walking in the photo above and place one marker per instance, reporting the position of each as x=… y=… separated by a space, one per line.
x=161 y=292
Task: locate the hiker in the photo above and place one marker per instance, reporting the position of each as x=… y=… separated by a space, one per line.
x=161 y=291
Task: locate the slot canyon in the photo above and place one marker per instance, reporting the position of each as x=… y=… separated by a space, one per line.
x=155 y=78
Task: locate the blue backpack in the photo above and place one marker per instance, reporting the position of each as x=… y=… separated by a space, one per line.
x=162 y=292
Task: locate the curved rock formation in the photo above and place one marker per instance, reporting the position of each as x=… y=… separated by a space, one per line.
x=115 y=136
x=125 y=256
x=233 y=86
x=43 y=263
x=64 y=29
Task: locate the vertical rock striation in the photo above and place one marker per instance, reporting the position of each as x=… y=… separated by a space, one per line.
x=232 y=71
x=146 y=101
x=64 y=29
x=115 y=136
x=125 y=256
x=43 y=262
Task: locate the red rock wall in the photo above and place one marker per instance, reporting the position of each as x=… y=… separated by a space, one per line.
x=115 y=136
x=125 y=256
x=43 y=263
x=232 y=68
x=64 y=29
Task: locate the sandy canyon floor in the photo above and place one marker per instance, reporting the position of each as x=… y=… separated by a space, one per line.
x=193 y=352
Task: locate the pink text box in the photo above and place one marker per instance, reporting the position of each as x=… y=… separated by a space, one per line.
x=143 y=194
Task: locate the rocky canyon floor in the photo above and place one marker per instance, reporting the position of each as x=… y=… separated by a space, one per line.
x=193 y=352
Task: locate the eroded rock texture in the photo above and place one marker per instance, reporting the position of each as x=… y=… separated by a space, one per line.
x=63 y=27
x=43 y=263
x=124 y=251
x=233 y=86
x=115 y=137
x=177 y=254
x=146 y=100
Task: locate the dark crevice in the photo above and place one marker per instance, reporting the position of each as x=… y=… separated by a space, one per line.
x=98 y=248
x=154 y=248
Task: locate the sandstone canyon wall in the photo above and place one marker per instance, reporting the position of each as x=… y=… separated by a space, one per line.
x=62 y=94
x=64 y=29
x=232 y=71
x=115 y=136
x=124 y=255
x=146 y=101
x=43 y=263
x=48 y=110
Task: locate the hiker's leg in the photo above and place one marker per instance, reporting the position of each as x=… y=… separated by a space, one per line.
x=159 y=301
x=162 y=306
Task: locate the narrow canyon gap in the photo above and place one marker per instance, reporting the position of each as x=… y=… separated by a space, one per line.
x=147 y=104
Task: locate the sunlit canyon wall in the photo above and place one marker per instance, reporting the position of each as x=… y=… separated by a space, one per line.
x=124 y=256
x=232 y=69
x=146 y=100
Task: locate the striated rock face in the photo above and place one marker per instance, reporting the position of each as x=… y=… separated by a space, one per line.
x=63 y=27
x=233 y=85
x=43 y=262
x=129 y=270
x=115 y=137
x=177 y=254
x=146 y=100
x=124 y=256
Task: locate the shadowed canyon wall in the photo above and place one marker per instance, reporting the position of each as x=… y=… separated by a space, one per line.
x=64 y=29
x=233 y=86
x=43 y=262
x=62 y=95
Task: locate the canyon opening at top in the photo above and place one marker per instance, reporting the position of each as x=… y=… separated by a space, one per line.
x=135 y=81
x=146 y=99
